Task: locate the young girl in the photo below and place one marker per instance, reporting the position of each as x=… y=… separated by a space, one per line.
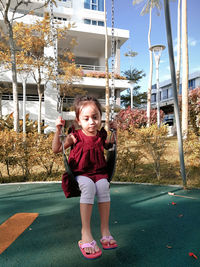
x=88 y=164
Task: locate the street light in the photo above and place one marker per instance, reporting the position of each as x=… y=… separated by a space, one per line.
x=157 y=50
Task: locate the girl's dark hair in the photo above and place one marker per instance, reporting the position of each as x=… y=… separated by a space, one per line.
x=81 y=101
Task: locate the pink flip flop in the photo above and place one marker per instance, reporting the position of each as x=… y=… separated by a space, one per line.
x=89 y=245
x=107 y=244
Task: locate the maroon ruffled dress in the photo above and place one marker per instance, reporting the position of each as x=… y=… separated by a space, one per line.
x=87 y=155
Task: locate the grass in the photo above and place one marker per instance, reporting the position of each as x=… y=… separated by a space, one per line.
x=143 y=173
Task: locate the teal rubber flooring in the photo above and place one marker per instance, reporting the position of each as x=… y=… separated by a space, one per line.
x=152 y=228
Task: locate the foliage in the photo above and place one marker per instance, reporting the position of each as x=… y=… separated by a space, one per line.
x=31 y=126
x=192 y=149
x=32 y=40
x=24 y=153
x=45 y=156
x=138 y=98
x=136 y=118
x=129 y=154
x=153 y=141
x=97 y=74
x=134 y=76
x=194 y=110
x=7 y=146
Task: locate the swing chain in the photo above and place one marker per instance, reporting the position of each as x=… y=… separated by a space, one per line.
x=113 y=65
x=55 y=45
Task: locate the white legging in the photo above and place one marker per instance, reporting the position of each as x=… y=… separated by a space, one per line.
x=89 y=189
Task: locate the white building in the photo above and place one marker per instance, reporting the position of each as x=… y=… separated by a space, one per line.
x=89 y=33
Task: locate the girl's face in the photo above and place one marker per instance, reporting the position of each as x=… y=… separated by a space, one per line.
x=89 y=119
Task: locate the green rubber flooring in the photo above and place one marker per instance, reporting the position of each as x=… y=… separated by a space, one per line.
x=152 y=228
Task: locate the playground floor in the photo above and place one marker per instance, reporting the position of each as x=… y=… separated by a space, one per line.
x=152 y=228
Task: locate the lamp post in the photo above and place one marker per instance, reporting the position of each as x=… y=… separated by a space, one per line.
x=157 y=50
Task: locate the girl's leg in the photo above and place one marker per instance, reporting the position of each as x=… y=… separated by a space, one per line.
x=88 y=192
x=103 y=194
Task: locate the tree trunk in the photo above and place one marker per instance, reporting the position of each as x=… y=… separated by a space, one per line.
x=14 y=77
x=0 y=105
x=39 y=112
x=24 y=105
x=178 y=46
x=150 y=72
x=184 y=70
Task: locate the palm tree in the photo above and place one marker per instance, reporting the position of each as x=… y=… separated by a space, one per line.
x=178 y=45
x=149 y=5
x=184 y=70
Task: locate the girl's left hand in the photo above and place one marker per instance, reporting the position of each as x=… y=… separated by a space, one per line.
x=113 y=125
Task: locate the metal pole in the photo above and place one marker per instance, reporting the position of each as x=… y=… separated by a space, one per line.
x=131 y=87
x=157 y=59
x=173 y=79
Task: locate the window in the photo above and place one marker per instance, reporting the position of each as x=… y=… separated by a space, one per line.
x=170 y=93
x=153 y=98
x=100 y=23
x=164 y=94
x=87 y=21
x=94 y=4
x=87 y=4
x=59 y=18
x=93 y=22
x=191 y=84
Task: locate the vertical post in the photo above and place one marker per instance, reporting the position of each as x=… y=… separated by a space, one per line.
x=158 y=90
x=131 y=88
x=157 y=50
x=173 y=79
x=24 y=105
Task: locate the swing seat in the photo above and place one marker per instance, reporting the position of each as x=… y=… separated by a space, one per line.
x=111 y=162
x=69 y=184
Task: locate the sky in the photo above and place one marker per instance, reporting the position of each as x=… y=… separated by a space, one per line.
x=127 y=16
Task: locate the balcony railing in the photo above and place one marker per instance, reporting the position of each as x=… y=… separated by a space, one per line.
x=91 y=67
x=9 y=97
x=162 y=100
x=66 y=3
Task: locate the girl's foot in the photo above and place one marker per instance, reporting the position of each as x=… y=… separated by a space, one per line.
x=92 y=245
x=108 y=242
x=89 y=249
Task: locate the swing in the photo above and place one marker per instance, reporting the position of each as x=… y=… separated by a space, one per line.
x=69 y=183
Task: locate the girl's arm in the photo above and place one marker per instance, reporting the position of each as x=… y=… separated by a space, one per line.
x=109 y=143
x=56 y=143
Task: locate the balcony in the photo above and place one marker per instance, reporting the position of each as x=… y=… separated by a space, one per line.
x=65 y=3
x=89 y=68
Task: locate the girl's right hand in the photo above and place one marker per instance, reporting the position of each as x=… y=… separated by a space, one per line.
x=60 y=122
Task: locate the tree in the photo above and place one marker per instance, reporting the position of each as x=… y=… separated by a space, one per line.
x=184 y=70
x=178 y=46
x=134 y=76
x=5 y=9
x=149 y=5
x=32 y=39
